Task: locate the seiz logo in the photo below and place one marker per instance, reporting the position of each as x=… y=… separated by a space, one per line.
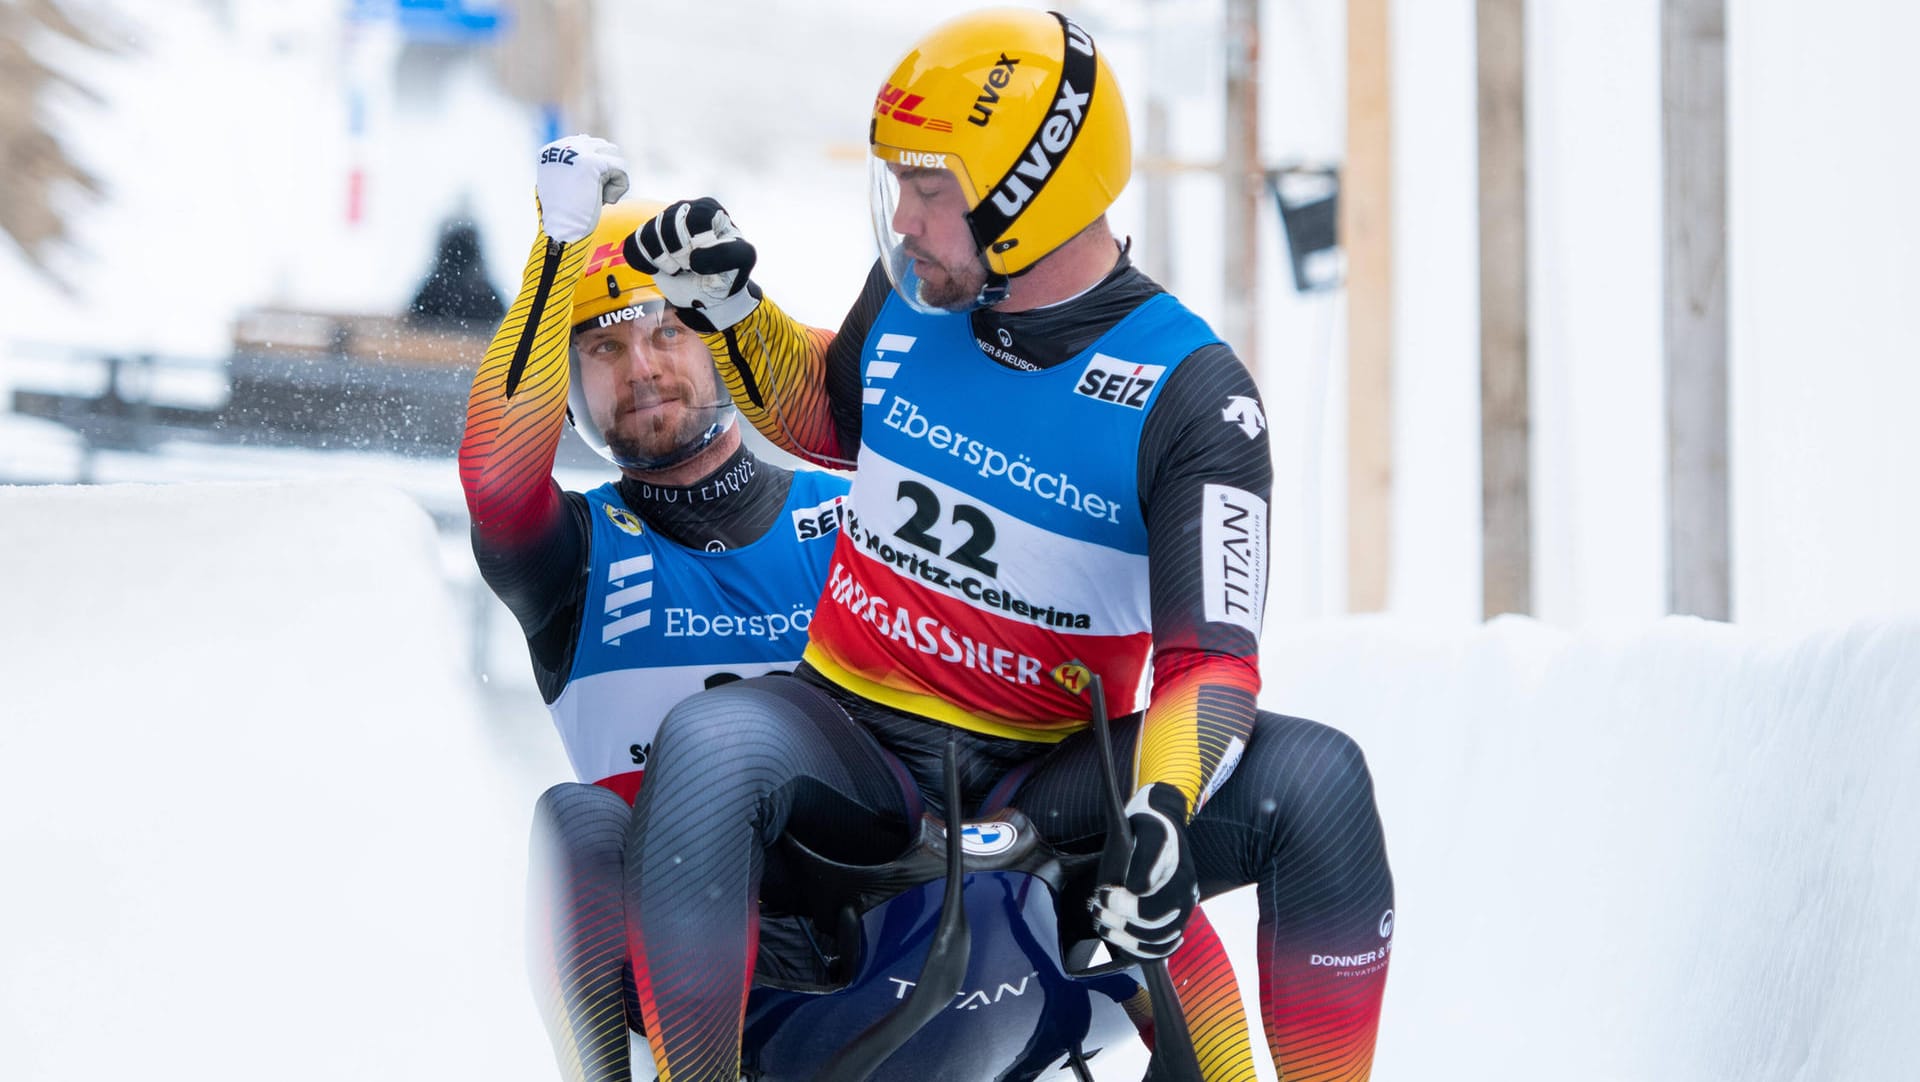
x=997 y=79
x=1123 y=383
x=821 y=520
x=605 y=257
x=559 y=156
x=897 y=103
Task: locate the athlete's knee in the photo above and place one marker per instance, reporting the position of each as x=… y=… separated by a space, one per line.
x=731 y=734
x=576 y=818
x=1306 y=763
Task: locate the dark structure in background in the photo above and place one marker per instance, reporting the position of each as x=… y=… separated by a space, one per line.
x=456 y=295
x=317 y=380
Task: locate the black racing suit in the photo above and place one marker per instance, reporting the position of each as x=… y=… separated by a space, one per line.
x=737 y=766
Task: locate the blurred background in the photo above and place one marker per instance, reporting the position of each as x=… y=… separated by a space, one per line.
x=1592 y=312
x=1477 y=252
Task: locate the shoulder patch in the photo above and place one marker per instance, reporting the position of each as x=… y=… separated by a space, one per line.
x=1123 y=383
x=627 y=521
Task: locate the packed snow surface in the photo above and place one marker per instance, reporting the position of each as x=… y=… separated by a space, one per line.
x=256 y=823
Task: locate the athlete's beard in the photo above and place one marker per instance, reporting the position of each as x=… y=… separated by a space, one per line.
x=655 y=439
x=957 y=287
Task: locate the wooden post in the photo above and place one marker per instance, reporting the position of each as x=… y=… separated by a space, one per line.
x=1693 y=127
x=1241 y=172
x=1366 y=201
x=1506 y=516
x=1157 y=257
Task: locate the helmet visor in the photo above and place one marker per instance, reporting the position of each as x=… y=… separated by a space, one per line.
x=642 y=389
x=919 y=201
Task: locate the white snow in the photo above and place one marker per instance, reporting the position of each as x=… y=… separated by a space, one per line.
x=253 y=811
x=1684 y=852
x=252 y=823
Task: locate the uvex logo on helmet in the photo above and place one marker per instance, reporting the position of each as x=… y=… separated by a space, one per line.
x=1049 y=146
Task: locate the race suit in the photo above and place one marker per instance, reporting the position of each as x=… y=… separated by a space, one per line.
x=1084 y=483
x=632 y=597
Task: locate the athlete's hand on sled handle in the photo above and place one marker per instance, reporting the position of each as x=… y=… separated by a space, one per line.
x=575 y=175
x=1145 y=915
x=699 y=261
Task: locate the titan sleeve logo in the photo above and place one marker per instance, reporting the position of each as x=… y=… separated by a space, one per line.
x=1233 y=554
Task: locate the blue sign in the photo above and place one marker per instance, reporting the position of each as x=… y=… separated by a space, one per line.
x=463 y=21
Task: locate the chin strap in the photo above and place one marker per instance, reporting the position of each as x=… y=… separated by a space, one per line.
x=994 y=291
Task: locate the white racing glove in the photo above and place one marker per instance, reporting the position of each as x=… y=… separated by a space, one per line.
x=1146 y=913
x=699 y=261
x=575 y=176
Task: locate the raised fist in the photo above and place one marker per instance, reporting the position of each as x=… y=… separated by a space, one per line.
x=574 y=177
x=698 y=260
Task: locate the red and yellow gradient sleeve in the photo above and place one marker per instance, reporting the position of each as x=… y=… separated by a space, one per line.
x=775 y=368
x=517 y=409
x=1210 y=998
x=1198 y=721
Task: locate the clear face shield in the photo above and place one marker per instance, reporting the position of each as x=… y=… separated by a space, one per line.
x=642 y=389
x=919 y=201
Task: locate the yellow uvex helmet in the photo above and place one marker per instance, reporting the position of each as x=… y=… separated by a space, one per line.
x=607 y=284
x=1030 y=112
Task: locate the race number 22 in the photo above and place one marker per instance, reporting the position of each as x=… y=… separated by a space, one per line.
x=926 y=512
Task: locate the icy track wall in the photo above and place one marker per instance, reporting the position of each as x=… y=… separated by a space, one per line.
x=1685 y=854
x=249 y=823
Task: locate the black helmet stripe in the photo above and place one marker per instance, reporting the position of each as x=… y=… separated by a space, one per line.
x=1053 y=138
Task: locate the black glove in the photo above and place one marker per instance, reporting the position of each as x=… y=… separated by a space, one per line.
x=698 y=260
x=1146 y=913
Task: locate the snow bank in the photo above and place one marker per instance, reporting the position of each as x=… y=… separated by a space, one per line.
x=250 y=815
x=249 y=822
x=1687 y=853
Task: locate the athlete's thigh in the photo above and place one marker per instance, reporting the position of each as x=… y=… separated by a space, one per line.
x=1064 y=791
x=1300 y=799
x=784 y=754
